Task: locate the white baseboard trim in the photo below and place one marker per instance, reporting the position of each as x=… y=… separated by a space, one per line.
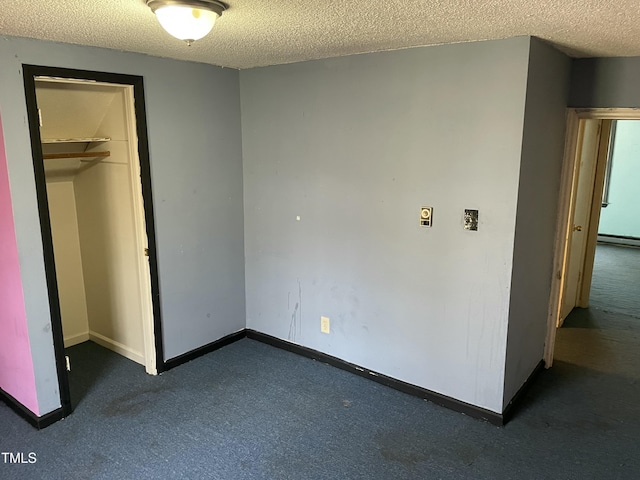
x=117 y=347
x=628 y=241
x=76 y=339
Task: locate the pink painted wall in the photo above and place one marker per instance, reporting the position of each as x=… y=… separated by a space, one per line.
x=17 y=377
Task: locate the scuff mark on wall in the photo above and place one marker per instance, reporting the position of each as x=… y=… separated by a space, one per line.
x=300 y=302
x=295 y=326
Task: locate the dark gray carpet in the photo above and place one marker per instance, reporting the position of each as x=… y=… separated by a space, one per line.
x=615 y=286
x=250 y=411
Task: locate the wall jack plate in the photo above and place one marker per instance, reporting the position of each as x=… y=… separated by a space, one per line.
x=426 y=216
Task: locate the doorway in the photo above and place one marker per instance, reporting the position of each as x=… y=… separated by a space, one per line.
x=616 y=278
x=593 y=142
x=584 y=177
x=91 y=164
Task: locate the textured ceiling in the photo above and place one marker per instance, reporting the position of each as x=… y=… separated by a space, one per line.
x=267 y=32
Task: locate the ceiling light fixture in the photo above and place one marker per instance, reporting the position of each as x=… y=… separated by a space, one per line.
x=188 y=20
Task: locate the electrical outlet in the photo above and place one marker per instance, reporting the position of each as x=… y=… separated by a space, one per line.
x=325 y=325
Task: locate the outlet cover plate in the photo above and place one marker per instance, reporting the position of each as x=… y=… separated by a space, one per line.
x=325 y=325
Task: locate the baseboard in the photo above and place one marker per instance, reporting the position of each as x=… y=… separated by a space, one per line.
x=117 y=347
x=434 y=397
x=76 y=339
x=619 y=240
x=198 y=352
x=28 y=415
x=510 y=409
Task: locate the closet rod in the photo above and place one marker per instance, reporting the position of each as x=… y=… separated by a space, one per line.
x=50 y=156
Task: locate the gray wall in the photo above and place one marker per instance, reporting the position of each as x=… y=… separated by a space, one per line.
x=540 y=171
x=354 y=146
x=605 y=82
x=196 y=164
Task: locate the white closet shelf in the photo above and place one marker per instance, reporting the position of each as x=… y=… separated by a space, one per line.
x=76 y=140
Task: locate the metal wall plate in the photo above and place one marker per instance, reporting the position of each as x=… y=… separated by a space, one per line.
x=426 y=216
x=470 y=219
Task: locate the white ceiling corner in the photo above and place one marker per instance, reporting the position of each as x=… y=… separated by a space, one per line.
x=267 y=32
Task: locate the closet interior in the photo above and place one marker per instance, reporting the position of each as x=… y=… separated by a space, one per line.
x=95 y=206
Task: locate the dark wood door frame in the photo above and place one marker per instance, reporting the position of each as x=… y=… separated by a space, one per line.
x=30 y=72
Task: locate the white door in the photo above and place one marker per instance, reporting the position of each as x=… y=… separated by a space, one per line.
x=582 y=196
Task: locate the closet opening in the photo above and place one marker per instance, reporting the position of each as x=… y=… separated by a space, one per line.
x=91 y=166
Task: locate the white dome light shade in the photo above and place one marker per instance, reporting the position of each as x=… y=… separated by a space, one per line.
x=186 y=23
x=188 y=20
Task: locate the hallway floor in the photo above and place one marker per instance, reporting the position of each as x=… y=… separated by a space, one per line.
x=616 y=280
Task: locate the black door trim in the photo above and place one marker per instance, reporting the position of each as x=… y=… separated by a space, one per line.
x=30 y=72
